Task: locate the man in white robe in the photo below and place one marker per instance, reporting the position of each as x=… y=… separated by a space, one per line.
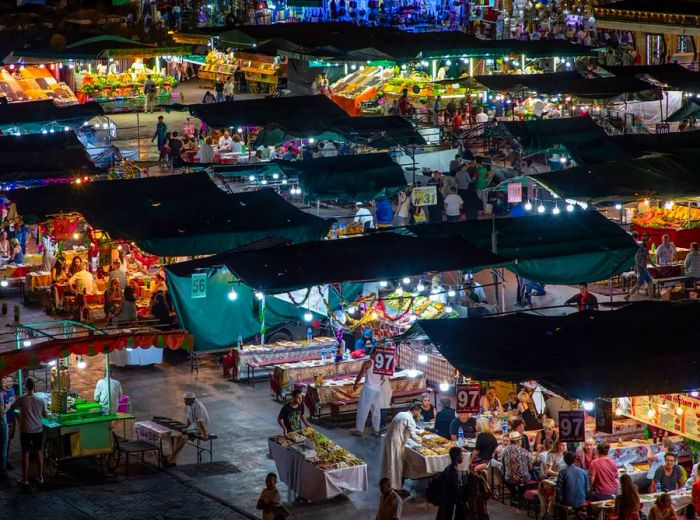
x=402 y=427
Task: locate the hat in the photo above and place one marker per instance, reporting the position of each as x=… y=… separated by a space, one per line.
x=189 y=395
x=514 y=436
x=445 y=401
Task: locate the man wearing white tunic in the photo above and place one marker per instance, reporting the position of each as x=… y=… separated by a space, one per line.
x=370 y=397
x=402 y=428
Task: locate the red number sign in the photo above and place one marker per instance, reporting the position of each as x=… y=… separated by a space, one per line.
x=572 y=426
x=468 y=397
x=384 y=361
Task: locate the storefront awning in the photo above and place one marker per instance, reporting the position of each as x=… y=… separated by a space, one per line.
x=568 y=248
x=347 y=178
x=581 y=355
x=668 y=177
x=176 y=215
x=383 y=256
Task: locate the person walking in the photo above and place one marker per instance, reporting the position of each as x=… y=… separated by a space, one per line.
x=402 y=427
x=641 y=262
x=451 y=487
x=31 y=430
x=160 y=135
x=219 y=88
x=370 y=397
x=229 y=89
x=390 y=503
x=149 y=90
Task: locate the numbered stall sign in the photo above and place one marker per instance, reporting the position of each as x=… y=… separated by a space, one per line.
x=384 y=361
x=572 y=426
x=468 y=398
x=199 y=285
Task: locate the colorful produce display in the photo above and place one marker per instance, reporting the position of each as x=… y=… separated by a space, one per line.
x=218 y=64
x=30 y=83
x=329 y=455
x=676 y=217
x=434 y=445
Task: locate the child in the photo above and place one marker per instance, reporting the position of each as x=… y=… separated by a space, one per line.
x=270 y=499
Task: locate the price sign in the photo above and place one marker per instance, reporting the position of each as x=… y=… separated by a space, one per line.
x=572 y=426
x=384 y=361
x=515 y=192
x=424 y=196
x=199 y=285
x=468 y=397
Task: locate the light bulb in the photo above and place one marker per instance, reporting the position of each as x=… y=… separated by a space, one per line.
x=259 y=295
x=284 y=181
x=618 y=411
x=312 y=140
x=528 y=206
x=52 y=363
x=420 y=287
x=569 y=207
x=679 y=411
x=4 y=283
x=399 y=290
x=232 y=294
x=556 y=210
x=448 y=309
x=275 y=176
x=412 y=373
x=383 y=283
x=82 y=363
x=406 y=280
x=618 y=207
x=422 y=358
x=451 y=293
x=26 y=343
x=540 y=209
x=588 y=406
x=374 y=315
x=651 y=412
x=694 y=394
x=251 y=178
x=239 y=130
x=669 y=205
x=308 y=316
x=444 y=387
x=352 y=309
x=562 y=160
x=263 y=182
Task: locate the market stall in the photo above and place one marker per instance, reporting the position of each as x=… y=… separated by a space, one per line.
x=288 y=375
x=256 y=356
x=34 y=83
x=218 y=64
x=314 y=467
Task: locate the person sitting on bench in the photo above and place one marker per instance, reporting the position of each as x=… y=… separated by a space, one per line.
x=197 y=419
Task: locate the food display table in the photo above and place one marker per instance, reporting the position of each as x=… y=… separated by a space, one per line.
x=285 y=375
x=302 y=463
x=153 y=433
x=635 y=452
x=340 y=390
x=432 y=456
x=136 y=356
x=38 y=279
x=285 y=350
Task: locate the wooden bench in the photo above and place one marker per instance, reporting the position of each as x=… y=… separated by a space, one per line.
x=656 y=283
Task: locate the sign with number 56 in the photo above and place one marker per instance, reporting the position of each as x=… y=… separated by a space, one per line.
x=384 y=361
x=468 y=398
x=572 y=426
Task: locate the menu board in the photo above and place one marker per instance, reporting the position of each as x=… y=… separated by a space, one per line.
x=677 y=413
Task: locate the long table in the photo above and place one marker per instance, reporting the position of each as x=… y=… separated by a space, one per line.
x=309 y=481
x=284 y=351
x=285 y=375
x=136 y=356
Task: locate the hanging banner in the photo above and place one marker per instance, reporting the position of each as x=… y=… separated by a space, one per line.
x=515 y=192
x=572 y=426
x=677 y=413
x=384 y=361
x=61 y=229
x=424 y=196
x=468 y=398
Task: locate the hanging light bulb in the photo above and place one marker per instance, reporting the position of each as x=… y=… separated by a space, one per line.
x=451 y=293
x=528 y=206
x=540 y=209
x=444 y=386
x=275 y=176
x=251 y=178
x=26 y=343
x=374 y=315
x=448 y=309
x=82 y=363
x=679 y=411
x=420 y=287
x=232 y=294
x=651 y=412
x=694 y=394
x=588 y=406
x=308 y=316
x=412 y=373
x=618 y=411
x=76 y=236
x=669 y=205
x=618 y=207
x=422 y=358
x=4 y=283
x=406 y=280
x=556 y=210
x=259 y=295
x=383 y=283
x=399 y=290
x=52 y=363
x=569 y=207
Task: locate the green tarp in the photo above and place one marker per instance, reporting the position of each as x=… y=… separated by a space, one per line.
x=660 y=177
x=351 y=178
x=176 y=215
x=568 y=248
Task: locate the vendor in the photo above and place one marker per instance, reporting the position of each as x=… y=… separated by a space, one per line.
x=225 y=143
x=103 y=395
x=291 y=415
x=427 y=410
x=584 y=300
x=666 y=252
x=401 y=429
x=197 y=419
x=437 y=290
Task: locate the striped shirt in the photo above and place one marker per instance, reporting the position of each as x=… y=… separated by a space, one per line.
x=692 y=264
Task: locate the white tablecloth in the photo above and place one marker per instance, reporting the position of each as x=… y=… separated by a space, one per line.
x=310 y=482
x=419 y=466
x=136 y=356
x=151 y=432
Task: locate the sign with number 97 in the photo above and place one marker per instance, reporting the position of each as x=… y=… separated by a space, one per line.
x=468 y=397
x=572 y=426
x=384 y=361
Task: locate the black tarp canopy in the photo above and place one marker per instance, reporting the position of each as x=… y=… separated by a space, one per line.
x=581 y=355
x=629 y=88
x=672 y=75
x=658 y=177
x=539 y=135
x=567 y=248
x=381 y=132
x=672 y=142
x=44 y=112
x=690 y=108
x=176 y=215
x=373 y=257
x=348 y=178
x=43 y=156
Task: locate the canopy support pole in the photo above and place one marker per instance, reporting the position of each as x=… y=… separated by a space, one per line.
x=109 y=383
x=138 y=132
x=18 y=343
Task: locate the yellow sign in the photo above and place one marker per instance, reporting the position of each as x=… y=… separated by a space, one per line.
x=677 y=413
x=424 y=196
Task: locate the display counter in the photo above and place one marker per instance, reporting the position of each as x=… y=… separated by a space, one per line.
x=285 y=351
x=284 y=376
x=316 y=468
x=218 y=64
x=34 y=83
x=362 y=85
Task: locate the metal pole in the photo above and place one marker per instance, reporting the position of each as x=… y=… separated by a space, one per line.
x=263 y=312
x=18 y=342
x=109 y=384
x=138 y=132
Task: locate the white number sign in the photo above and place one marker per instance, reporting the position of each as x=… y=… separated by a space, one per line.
x=572 y=426
x=384 y=361
x=468 y=398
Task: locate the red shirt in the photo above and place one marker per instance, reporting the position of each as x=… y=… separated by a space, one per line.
x=602 y=473
x=457 y=122
x=696 y=495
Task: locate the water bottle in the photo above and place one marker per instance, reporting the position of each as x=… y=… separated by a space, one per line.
x=323 y=353
x=240 y=342
x=346 y=354
x=334 y=351
x=658 y=487
x=460 y=437
x=504 y=427
x=309 y=334
x=420 y=423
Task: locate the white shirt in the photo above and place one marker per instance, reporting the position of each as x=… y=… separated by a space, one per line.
x=482 y=117
x=538 y=108
x=205 y=154
x=665 y=254
x=196 y=413
x=453 y=204
x=102 y=396
x=83 y=279
x=364 y=216
x=692 y=264
x=225 y=143
x=237 y=146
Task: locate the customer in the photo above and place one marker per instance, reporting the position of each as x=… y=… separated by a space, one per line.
x=584 y=300
x=491 y=403
x=16 y=254
x=666 y=252
x=453 y=205
x=291 y=415
x=451 y=487
x=572 y=484
x=113 y=297
x=641 y=261
x=466 y=422
x=518 y=425
x=692 y=263
x=515 y=461
x=586 y=455
x=485 y=447
x=548 y=432
x=31 y=410
x=525 y=411
x=208 y=98
x=512 y=403
x=555 y=459
x=175 y=146
x=270 y=498
x=160 y=134
x=127 y=311
x=602 y=472
x=8 y=398
x=206 y=153
x=82 y=282
x=656 y=460
x=443 y=419
x=149 y=90
x=627 y=503
x=662 y=509
x=390 y=503
x=229 y=89
x=4 y=244
x=427 y=410
x=463 y=180
x=539 y=467
x=669 y=476
x=219 y=89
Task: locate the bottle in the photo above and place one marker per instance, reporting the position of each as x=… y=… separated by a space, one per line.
x=504 y=427
x=346 y=354
x=323 y=353
x=658 y=487
x=309 y=334
x=240 y=342
x=460 y=437
x=334 y=351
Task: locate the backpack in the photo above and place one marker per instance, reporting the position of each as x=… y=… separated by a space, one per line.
x=433 y=493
